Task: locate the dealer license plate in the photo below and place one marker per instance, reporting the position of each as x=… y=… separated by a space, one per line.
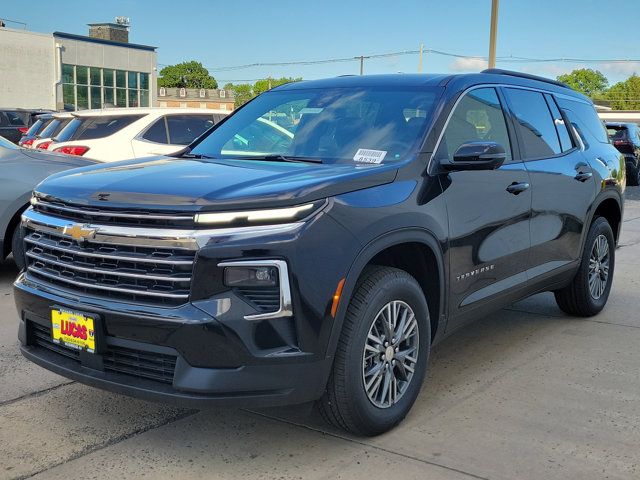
x=73 y=330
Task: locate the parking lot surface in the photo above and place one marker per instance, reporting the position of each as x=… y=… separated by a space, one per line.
x=526 y=393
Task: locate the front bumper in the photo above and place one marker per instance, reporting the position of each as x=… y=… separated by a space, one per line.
x=208 y=363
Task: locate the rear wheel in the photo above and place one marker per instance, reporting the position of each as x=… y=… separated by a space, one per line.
x=587 y=294
x=382 y=355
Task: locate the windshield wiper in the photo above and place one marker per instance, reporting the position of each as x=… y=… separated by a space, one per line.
x=280 y=158
x=196 y=155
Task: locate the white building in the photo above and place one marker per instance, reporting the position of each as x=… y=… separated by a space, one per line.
x=65 y=71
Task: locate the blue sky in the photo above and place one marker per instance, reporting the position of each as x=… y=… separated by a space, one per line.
x=234 y=33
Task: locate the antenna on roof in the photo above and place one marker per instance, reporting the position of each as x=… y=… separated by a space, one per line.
x=124 y=21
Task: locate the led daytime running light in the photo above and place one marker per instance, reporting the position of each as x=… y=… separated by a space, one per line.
x=253 y=215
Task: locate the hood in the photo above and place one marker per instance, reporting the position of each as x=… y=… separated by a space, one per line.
x=207 y=185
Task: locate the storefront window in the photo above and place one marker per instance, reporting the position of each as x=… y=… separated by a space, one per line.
x=95 y=76
x=107 y=76
x=121 y=97
x=121 y=79
x=67 y=74
x=82 y=76
x=93 y=87
x=96 y=97
x=83 y=97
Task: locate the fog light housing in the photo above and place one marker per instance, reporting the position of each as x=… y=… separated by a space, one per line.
x=263 y=278
x=251 y=276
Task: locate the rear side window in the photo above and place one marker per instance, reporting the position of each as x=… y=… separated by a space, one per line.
x=100 y=127
x=16 y=119
x=50 y=129
x=534 y=123
x=157 y=132
x=617 y=133
x=586 y=118
x=66 y=133
x=35 y=127
x=561 y=129
x=184 y=129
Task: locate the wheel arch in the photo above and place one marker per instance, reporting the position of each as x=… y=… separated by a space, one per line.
x=14 y=221
x=610 y=206
x=408 y=242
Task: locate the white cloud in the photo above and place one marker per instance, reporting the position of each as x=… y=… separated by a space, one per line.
x=468 y=64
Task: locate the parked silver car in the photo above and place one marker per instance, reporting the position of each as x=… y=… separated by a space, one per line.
x=20 y=171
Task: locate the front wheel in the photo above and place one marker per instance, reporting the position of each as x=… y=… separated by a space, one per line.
x=587 y=294
x=382 y=354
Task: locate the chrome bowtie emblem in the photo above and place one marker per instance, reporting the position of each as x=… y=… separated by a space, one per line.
x=80 y=233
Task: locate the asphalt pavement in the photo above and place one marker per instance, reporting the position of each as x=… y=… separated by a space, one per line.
x=526 y=393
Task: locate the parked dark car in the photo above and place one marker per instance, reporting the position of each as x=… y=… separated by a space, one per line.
x=626 y=138
x=322 y=263
x=42 y=121
x=22 y=170
x=15 y=122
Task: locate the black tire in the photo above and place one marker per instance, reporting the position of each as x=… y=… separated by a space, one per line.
x=576 y=298
x=345 y=402
x=633 y=174
x=17 y=247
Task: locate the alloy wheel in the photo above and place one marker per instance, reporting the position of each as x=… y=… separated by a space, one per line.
x=599 y=267
x=390 y=354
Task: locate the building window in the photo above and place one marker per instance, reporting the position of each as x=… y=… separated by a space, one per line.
x=202 y=93
x=223 y=93
x=93 y=87
x=183 y=92
x=163 y=92
x=223 y=106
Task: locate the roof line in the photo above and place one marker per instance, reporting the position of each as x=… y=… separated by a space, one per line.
x=84 y=38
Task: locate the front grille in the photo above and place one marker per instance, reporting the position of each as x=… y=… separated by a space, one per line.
x=122 y=272
x=110 y=216
x=265 y=300
x=142 y=364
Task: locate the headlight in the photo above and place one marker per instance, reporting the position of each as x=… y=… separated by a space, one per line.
x=257 y=217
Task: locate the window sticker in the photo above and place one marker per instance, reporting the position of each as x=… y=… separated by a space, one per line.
x=369 y=156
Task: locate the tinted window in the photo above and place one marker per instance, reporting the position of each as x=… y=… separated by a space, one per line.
x=16 y=119
x=477 y=117
x=157 y=132
x=35 y=127
x=617 y=133
x=100 y=127
x=49 y=130
x=184 y=129
x=533 y=121
x=67 y=132
x=587 y=118
x=561 y=128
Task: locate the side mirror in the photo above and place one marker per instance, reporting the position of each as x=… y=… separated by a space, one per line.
x=477 y=156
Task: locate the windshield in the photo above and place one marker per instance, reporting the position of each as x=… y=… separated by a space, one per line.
x=4 y=143
x=356 y=125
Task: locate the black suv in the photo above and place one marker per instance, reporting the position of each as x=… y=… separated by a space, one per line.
x=317 y=242
x=626 y=138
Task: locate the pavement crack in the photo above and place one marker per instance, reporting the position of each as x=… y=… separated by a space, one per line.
x=34 y=394
x=365 y=444
x=100 y=446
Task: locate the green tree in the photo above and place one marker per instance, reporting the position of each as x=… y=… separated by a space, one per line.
x=625 y=95
x=186 y=74
x=244 y=92
x=585 y=80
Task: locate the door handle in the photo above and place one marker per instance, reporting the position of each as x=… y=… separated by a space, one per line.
x=516 y=188
x=583 y=176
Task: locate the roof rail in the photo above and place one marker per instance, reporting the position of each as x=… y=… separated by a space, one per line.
x=499 y=71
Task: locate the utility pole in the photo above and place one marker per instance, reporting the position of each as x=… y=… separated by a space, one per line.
x=361 y=65
x=420 y=60
x=493 y=33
